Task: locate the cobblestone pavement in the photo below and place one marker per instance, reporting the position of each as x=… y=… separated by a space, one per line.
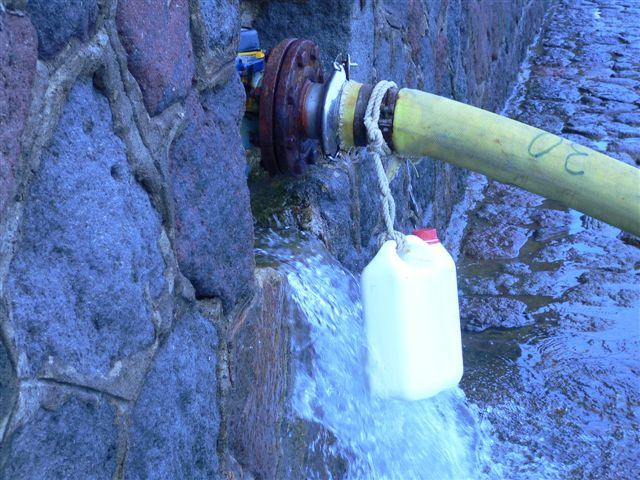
x=551 y=298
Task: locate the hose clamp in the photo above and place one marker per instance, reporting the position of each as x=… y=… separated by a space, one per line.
x=330 y=114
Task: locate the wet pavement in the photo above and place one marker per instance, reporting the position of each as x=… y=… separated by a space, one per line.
x=551 y=298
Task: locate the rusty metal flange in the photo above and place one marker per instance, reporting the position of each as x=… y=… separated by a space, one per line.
x=285 y=147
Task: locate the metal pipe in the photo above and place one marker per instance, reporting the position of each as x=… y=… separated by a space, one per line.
x=310 y=114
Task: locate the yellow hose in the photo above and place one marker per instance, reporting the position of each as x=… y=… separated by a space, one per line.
x=347 y=111
x=515 y=153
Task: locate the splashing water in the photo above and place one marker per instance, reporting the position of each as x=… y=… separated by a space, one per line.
x=440 y=438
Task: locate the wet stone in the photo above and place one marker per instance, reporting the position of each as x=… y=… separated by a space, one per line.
x=512 y=196
x=552 y=120
x=609 y=91
x=17 y=71
x=480 y=285
x=490 y=243
x=330 y=190
x=629 y=146
x=550 y=223
x=624 y=157
x=568 y=72
x=321 y=204
x=623 y=72
x=550 y=283
x=590 y=100
x=630 y=83
x=66 y=437
x=601 y=287
x=629 y=119
x=559 y=253
x=595 y=143
x=587 y=125
x=259 y=359
x=556 y=56
x=477 y=285
x=214 y=227
x=508 y=214
x=551 y=88
x=175 y=422
x=623 y=130
x=156 y=36
x=516 y=268
x=88 y=263
x=57 y=21
x=596 y=73
x=480 y=313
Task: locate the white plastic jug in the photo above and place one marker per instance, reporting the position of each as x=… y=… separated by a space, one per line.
x=412 y=320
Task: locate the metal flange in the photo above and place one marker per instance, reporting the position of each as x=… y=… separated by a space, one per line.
x=293 y=66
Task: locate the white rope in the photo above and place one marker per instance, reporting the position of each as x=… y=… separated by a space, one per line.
x=378 y=147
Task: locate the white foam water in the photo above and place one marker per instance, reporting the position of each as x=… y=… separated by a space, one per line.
x=440 y=438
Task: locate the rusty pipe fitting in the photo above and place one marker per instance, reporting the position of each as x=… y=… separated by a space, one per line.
x=292 y=67
x=298 y=109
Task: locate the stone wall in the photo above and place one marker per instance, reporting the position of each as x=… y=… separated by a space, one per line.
x=123 y=200
x=131 y=310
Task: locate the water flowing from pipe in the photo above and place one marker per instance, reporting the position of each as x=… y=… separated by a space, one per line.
x=440 y=438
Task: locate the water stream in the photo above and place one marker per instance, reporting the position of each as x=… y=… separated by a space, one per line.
x=444 y=437
x=554 y=398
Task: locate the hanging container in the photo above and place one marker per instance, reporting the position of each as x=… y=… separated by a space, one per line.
x=412 y=321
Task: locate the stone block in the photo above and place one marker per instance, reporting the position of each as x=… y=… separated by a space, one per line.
x=214 y=229
x=57 y=21
x=61 y=434
x=18 y=57
x=264 y=433
x=487 y=244
x=260 y=377
x=157 y=39
x=222 y=23
x=480 y=313
x=174 y=424
x=628 y=146
x=88 y=264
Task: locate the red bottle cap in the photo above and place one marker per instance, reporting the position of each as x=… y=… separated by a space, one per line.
x=429 y=235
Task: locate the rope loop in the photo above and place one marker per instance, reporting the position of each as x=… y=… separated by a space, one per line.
x=377 y=148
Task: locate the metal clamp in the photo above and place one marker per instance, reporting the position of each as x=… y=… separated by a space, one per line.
x=330 y=114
